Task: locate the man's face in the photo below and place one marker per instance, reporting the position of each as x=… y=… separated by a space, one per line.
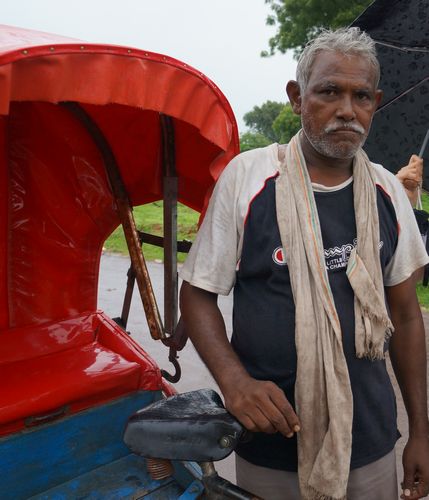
x=338 y=104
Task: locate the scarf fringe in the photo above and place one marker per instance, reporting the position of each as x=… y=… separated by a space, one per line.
x=376 y=354
x=384 y=320
x=313 y=494
x=372 y=355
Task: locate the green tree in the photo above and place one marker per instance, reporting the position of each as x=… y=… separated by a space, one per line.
x=268 y=123
x=298 y=21
x=261 y=119
x=252 y=140
x=287 y=124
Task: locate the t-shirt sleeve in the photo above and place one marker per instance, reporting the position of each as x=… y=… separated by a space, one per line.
x=410 y=253
x=212 y=261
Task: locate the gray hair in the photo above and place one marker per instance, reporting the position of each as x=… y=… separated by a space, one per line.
x=347 y=41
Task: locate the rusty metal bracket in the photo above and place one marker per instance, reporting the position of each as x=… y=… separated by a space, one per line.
x=125 y=214
x=173 y=335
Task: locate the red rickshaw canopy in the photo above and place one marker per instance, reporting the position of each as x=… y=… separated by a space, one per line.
x=56 y=206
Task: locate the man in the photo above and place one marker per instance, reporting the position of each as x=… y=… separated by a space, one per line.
x=313 y=238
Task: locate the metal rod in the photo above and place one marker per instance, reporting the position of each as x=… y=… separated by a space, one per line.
x=425 y=143
x=182 y=246
x=170 y=189
x=125 y=214
x=402 y=94
x=218 y=488
x=131 y=278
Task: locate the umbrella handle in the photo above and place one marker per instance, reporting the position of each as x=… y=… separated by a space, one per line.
x=419 y=204
x=425 y=143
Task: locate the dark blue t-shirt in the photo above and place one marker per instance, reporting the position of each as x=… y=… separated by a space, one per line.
x=264 y=322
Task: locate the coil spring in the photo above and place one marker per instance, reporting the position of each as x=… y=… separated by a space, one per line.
x=159 y=468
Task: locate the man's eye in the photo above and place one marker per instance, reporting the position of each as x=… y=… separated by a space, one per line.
x=363 y=96
x=329 y=92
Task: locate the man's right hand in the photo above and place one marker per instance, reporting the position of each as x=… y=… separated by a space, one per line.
x=261 y=407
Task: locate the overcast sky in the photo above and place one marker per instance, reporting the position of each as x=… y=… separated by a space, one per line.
x=221 y=38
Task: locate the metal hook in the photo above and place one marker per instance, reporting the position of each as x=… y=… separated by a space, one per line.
x=172 y=357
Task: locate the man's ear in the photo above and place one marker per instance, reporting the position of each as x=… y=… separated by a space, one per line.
x=378 y=97
x=294 y=93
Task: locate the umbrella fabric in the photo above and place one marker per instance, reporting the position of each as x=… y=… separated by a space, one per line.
x=401 y=31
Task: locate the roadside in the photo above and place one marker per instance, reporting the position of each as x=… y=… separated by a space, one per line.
x=195 y=375
x=111 y=288
x=402 y=414
x=149 y=219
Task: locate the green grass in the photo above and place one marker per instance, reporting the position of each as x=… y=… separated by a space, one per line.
x=425 y=201
x=423 y=291
x=423 y=296
x=149 y=219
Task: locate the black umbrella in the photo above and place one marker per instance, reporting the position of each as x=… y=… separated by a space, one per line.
x=400 y=29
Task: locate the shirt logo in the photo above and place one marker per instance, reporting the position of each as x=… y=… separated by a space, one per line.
x=335 y=258
x=279 y=256
x=338 y=257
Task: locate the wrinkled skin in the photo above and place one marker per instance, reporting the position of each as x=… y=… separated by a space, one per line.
x=336 y=111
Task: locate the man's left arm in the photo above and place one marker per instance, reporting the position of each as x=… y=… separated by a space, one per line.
x=408 y=356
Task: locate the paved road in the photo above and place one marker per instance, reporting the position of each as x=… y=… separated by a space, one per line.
x=195 y=375
x=112 y=283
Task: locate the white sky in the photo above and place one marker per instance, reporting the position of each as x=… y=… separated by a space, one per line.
x=221 y=38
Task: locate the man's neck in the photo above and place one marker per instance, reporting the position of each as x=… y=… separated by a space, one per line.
x=324 y=170
x=329 y=176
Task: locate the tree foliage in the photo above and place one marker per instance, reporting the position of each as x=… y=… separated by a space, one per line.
x=298 y=21
x=271 y=122
x=261 y=119
x=252 y=140
x=286 y=125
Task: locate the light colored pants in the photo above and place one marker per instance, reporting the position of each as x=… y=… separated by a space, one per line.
x=376 y=481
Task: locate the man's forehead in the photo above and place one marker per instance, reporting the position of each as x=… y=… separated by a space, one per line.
x=331 y=67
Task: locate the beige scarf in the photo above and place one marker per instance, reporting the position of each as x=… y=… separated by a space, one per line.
x=323 y=395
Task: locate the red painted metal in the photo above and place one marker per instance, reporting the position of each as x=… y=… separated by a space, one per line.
x=56 y=206
x=60 y=202
x=72 y=364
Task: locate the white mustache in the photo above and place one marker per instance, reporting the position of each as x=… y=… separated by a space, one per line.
x=354 y=127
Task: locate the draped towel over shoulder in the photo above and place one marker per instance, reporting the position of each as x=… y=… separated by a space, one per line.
x=323 y=395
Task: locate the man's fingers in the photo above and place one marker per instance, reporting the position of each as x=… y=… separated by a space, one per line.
x=422 y=489
x=416 y=163
x=285 y=419
x=413 y=175
x=415 y=158
x=257 y=422
x=279 y=411
x=408 y=482
x=278 y=420
x=276 y=410
x=263 y=407
x=416 y=492
x=412 y=488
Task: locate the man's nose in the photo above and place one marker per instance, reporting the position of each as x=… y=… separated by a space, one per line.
x=345 y=109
